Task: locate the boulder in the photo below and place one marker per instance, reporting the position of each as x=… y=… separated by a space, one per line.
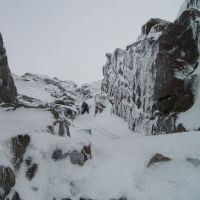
x=59 y=155
x=81 y=157
x=77 y=158
x=158 y=158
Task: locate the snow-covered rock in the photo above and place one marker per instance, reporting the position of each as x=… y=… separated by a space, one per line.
x=154 y=79
x=153 y=84
x=49 y=94
x=88 y=90
x=118 y=167
x=45 y=88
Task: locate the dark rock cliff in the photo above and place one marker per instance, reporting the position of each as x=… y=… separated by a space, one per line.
x=152 y=81
x=8 y=91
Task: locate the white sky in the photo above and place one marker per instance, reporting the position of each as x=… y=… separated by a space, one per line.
x=69 y=38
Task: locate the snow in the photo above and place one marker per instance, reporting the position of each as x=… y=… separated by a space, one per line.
x=24 y=120
x=99 y=125
x=32 y=89
x=118 y=167
x=35 y=86
x=118 y=164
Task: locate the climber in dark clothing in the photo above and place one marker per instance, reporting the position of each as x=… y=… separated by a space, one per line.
x=85 y=108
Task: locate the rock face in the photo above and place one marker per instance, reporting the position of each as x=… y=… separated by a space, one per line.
x=153 y=80
x=8 y=91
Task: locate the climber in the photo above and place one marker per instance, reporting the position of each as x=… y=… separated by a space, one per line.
x=85 y=108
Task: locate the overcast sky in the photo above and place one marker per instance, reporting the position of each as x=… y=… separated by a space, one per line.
x=69 y=38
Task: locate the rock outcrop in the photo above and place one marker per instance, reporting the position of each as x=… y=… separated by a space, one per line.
x=7 y=181
x=153 y=80
x=100 y=103
x=158 y=158
x=16 y=196
x=8 y=91
x=52 y=94
x=19 y=145
x=31 y=171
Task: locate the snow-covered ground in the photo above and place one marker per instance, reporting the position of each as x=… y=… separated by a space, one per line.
x=24 y=120
x=43 y=87
x=118 y=167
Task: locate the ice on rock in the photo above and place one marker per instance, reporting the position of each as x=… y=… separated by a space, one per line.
x=152 y=81
x=153 y=85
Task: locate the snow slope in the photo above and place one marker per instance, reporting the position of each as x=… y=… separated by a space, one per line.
x=43 y=87
x=118 y=167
